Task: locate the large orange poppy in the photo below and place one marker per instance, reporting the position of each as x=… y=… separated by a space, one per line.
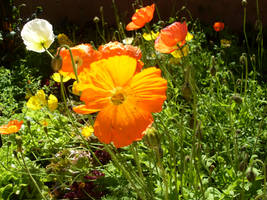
x=125 y=99
x=141 y=17
x=12 y=127
x=218 y=26
x=83 y=55
x=171 y=38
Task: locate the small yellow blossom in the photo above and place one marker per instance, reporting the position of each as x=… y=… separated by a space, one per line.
x=150 y=36
x=179 y=53
x=225 y=43
x=40 y=95
x=33 y=103
x=87 y=131
x=52 y=102
x=56 y=77
x=75 y=89
x=44 y=122
x=64 y=39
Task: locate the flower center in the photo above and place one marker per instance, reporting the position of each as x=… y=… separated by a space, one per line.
x=118 y=97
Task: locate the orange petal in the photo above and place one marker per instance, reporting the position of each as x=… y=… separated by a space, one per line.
x=121 y=124
x=173 y=34
x=148 y=89
x=163 y=48
x=83 y=109
x=114 y=71
x=132 y=26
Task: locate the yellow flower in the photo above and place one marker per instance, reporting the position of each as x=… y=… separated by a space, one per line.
x=225 y=43
x=75 y=89
x=87 y=131
x=52 y=102
x=40 y=95
x=44 y=122
x=64 y=39
x=179 y=53
x=33 y=103
x=56 y=77
x=189 y=37
x=150 y=36
x=37 y=35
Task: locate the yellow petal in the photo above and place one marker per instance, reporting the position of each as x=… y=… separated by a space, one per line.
x=33 y=103
x=150 y=36
x=189 y=36
x=225 y=43
x=40 y=95
x=179 y=53
x=52 y=102
x=56 y=77
x=87 y=131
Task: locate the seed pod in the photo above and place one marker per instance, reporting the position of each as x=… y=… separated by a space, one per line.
x=237 y=99
x=96 y=19
x=56 y=63
x=244 y=3
x=186 y=91
x=251 y=174
x=19 y=143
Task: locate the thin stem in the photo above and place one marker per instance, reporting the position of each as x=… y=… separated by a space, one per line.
x=33 y=180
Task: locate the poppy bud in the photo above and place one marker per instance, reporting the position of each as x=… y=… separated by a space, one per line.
x=186 y=91
x=244 y=3
x=243 y=58
x=251 y=174
x=213 y=70
x=243 y=165
x=151 y=137
x=237 y=99
x=257 y=25
x=211 y=168
x=187 y=158
x=56 y=63
x=96 y=19
x=19 y=143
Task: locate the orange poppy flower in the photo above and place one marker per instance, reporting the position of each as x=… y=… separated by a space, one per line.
x=116 y=48
x=171 y=38
x=12 y=127
x=141 y=17
x=83 y=55
x=125 y=99
x=218 y=26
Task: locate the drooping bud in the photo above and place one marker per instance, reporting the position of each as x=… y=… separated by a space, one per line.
x=243 y=58
x=19 y=143
x=56 y=63
x=244 y=3
x=96 y=19
x=237 y=99
x=186 y=91
x=251 y=174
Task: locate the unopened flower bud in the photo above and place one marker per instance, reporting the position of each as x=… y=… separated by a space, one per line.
x=96 y=19
x=186 y=91
x=251 y=174
x=243 y=59
x=244 y=3
x=237 y=99
x=243 y=165
x=56 y=63
x=19 y=143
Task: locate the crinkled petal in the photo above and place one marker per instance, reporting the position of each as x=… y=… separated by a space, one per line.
x=121 y=124
x=148 y=89
x=83 y=109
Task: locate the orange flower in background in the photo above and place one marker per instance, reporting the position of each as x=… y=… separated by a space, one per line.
x=125 y=99
x=171 y=38
x=141 y=17
x=12 y=127
x=218 y=26
x=116 y=49
x=83 y=55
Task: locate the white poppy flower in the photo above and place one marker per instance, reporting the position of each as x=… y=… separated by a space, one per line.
x=37 y=34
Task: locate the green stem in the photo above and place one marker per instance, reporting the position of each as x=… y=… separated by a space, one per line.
x=33 y=180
